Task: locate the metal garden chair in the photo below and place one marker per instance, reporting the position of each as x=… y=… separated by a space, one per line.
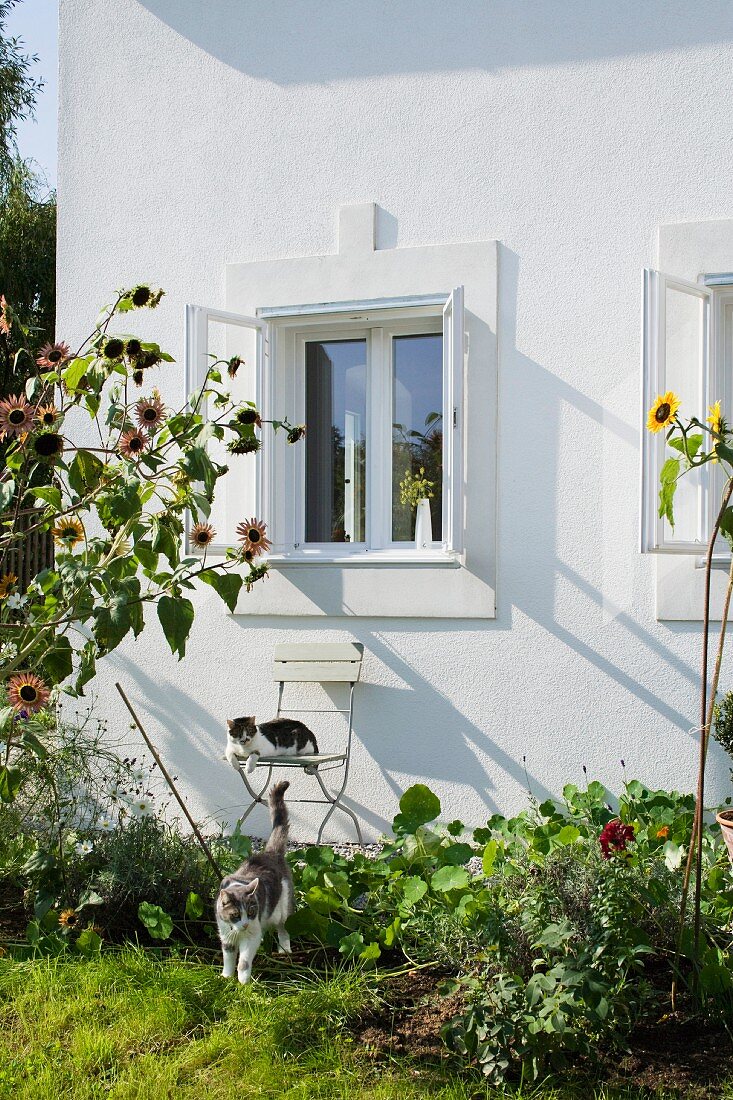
x=313 y=662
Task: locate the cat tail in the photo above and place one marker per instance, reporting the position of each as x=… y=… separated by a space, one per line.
x=280 y=819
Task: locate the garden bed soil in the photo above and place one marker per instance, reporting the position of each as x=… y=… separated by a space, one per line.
x=687 y=1059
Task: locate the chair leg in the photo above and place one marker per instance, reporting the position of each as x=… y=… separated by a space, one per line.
x=256 y=798
x=336 y=804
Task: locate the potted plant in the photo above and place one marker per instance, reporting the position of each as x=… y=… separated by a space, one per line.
x=417 y=491
x=723 y=733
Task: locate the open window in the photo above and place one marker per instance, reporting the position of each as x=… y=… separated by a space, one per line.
x=379 y=385
x=677 y=356
x=217 y=335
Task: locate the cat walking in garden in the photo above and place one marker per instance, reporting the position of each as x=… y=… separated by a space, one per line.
x=257 y=896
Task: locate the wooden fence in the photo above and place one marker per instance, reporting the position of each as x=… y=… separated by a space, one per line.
x=30 y=554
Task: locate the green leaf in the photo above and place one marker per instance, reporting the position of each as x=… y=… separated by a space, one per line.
x=418 y=805
x=724 y=453
x=449 y=878
x=227 y=585
x=88 y=943
x=352 y=945
x=489 y=858
x=694 y=443
x=668 y=485
x=112 y=623
x=74 y=373
x=84 y=472
x=726 y=525
x=155 y=919
x=194 y=906
x=568 y=834
x=6 y=716
x=371 y=951
x=199 y=467
x=673 y=854
x=10 y=780
x=176 y=617
x=456 y=854
x=7 y=492
x=413 y=889
x=89 y=897
x=58 y=662
x=50 y=494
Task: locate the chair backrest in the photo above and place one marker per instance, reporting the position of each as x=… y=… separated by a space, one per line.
x=318 y=662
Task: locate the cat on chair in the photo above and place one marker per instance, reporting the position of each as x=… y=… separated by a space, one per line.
x=248 y=740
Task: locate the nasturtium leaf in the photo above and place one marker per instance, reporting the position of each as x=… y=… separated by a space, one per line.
x=418 y=805
x=155 y=919
x=568 y=834
x=176 y=617
x=226 y=585
x=413 y=888
x=352 y=945
x=371 y=951
x=449 y=878
x=456 y=854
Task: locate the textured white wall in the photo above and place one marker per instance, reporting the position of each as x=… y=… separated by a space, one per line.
x=194 y=135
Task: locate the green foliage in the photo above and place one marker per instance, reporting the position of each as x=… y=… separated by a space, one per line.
x=723 y=722
x=155 y=919
x=133 y=491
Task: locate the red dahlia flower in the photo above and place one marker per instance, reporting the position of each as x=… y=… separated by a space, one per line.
x=615 y=837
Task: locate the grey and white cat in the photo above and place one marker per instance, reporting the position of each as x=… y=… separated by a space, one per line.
x=257 y=896
x=248 y=740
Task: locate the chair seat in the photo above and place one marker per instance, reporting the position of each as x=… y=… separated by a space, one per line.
x=306 y=760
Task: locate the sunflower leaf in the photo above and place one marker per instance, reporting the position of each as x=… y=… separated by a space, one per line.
x=7 y=492
x=176 y=618
x=668 y=485
x=726 y=525
x=74 y=373
x=227 y=585
x=694 y=443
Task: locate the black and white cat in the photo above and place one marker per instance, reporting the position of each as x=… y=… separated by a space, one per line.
x=257 y=896
x=248 y=740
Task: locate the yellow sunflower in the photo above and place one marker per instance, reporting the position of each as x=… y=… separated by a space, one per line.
x=715 y=420
x=6 y=583
x=68 y=532
x=68 y=918
x=663 y=411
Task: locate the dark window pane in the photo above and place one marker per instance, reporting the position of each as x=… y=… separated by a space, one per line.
x=417 y=430
x=335 y=442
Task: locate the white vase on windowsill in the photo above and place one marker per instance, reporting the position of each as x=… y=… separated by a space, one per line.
x=423 y=525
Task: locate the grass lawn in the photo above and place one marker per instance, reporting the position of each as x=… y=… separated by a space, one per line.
x=132 y=1025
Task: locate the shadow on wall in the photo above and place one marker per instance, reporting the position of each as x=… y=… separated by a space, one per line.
x=297 y=41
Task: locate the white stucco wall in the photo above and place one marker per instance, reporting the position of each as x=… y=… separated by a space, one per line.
x=196 y=135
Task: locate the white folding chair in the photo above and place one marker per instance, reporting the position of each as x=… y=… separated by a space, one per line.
x=313 y=662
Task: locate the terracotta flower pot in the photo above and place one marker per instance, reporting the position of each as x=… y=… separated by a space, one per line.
x=725 y=820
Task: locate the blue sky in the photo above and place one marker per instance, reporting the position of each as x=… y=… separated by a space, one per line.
x=36 y=22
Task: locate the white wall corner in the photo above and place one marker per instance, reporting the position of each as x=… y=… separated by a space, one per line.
x=357 y=229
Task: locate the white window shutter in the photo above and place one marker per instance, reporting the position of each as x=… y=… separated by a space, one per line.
x=240 y=493
x=453 y=349
x=676 y=355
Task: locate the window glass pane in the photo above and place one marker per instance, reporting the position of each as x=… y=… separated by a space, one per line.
x=417 y=429
x=335 y=442
x=684 y=329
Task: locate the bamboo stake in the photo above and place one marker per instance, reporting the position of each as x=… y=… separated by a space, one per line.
x=163 y=771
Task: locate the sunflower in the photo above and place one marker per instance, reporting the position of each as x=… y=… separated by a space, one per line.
x=150 y=412
x=114 y=348
x=244 y=445
x=248 y=416
x=68 y=918
x=715 y=420
x=68 y=532
x=663 y=411
x=6 y=583
x=133 y=443
x=202 y=534
x=5 y=320
x=28 y=692
x=133 y=347
x=16 y=416
x=53 y=355
x=296 y=433
x=47 y=415
x=252 y=536
x=48 y=445
x=233 y=365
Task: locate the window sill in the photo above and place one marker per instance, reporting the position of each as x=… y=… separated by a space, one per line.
x=298 y=559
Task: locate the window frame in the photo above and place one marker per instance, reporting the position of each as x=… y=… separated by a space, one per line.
x=283 y=385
